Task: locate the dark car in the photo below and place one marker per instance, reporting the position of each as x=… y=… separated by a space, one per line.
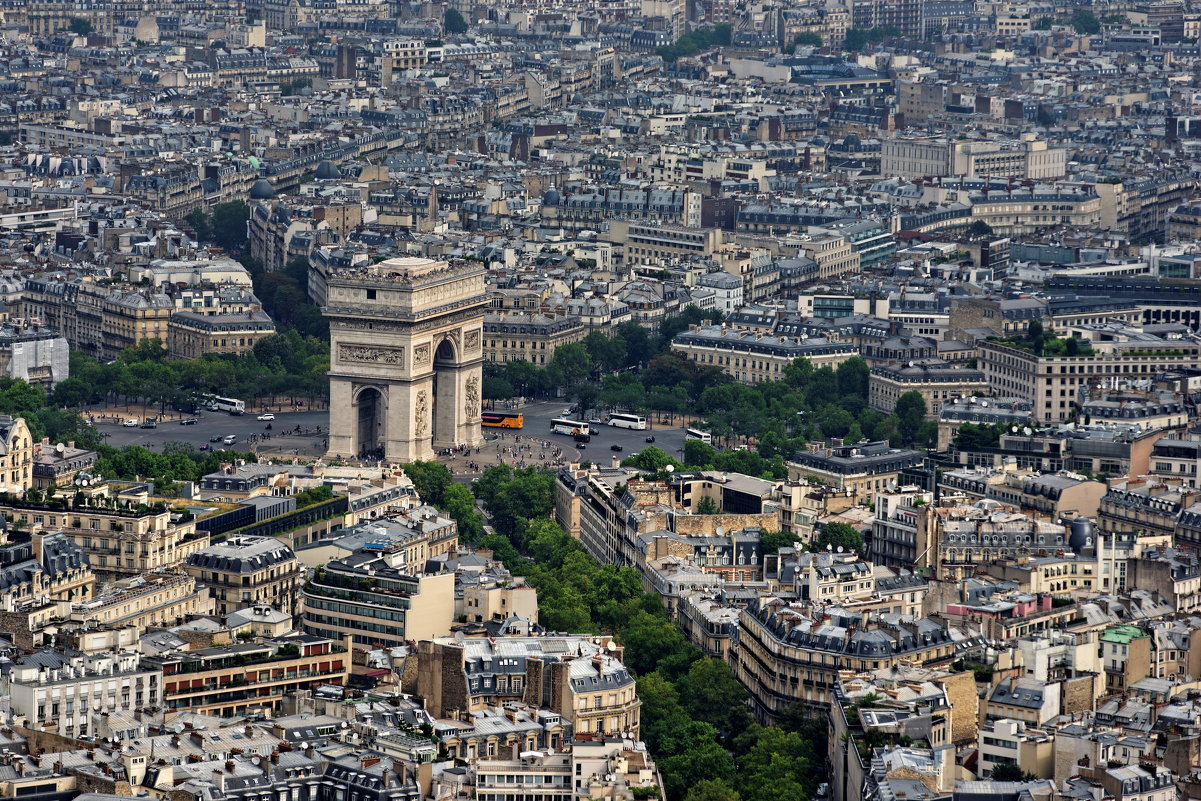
x=582 y=438
x=215 y=438
x=616 y=448
x=581 y=447
x=188 y=421
x=650 y=439
x=150 y=422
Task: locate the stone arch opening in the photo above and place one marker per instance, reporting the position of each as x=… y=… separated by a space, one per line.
x=446 y=394
x=369 y=404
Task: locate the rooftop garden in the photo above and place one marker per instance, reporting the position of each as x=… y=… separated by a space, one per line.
x=1044 y=342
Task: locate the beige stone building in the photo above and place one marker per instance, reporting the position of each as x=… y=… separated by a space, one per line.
x=533 y=337
x=936 y=381
x=589 y=685
x=120 y=540
x=1028 y=157
x=1052 y=383
x=754 y=358
x=16 y=455
x=834 y=254
x=650 y=242
x=248 y=571
x=497 y=603
x=142 y=602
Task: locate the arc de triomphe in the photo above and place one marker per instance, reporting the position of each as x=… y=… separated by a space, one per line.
x=406 y=357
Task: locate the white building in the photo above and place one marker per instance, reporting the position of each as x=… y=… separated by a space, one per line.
x=727 y=290
x=54 y=691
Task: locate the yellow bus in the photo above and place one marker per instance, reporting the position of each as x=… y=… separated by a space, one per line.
x=502 y=419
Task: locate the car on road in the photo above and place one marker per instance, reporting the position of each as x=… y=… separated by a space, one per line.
x=616 y=447
x=229 y=439
x=596 y=421
x=204 y=446
x=150 y=422
x=131 y=423
x=188 y=421
x=581 y=447
x=266 y=416
x=650 y=439
x=215 y=438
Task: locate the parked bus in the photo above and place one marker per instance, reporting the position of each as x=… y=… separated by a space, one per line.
x=502 y=419
x=696 y=433
x=565 y=426
x=634 y=421
x=218 y=404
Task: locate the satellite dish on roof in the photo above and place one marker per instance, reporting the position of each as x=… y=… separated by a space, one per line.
x=1026 y=430
x=60 y=447
x=840 y=549
x=719 y=531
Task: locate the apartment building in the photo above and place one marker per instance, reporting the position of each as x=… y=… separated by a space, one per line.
x=48 y=566
x=67 y=693
x=245 y=678
x=860 y=469
x=1176 y=460
x=938 y=383
x=246 y=571
x=613 y=769
x=378 y=594
x=834 y=254
x=1027 y=158
x=1147 y=506
x=649 y=242
x=144 y=601
x=191 y=335
x=1052 y=383
x=532 y=337
x=581 y=679
x=1013 y=742
x=790 y=654
x=756 y=357
x=120 y=541
x=16 y=455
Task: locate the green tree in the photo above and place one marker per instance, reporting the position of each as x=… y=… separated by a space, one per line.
x=839 y=535
x=1011 y=772
x=772 y=541
x=80 y=26
x=1044 y=116
x=1043 y=24
x=808 y=39
x=572 y=362
x=712 y=694
x=856 y=39
x=72 y=393
x=712 y=790
x=229 y=225
x=459 y=503
x=200 y=224
x=698 y=454
x=911 y=413
x=430 y=479
x=453 y=21
x=979 y=228
x=852 y=378
x=651 y=459
x=707 y=506
x=1086 y=22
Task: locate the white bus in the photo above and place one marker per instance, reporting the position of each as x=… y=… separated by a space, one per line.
x=696 y=433
x=218 y=404
x=634 y=421
x=565 y=426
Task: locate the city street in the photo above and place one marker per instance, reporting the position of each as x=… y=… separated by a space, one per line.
x=220 y=424
x=537 y=423
x=538 y=416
